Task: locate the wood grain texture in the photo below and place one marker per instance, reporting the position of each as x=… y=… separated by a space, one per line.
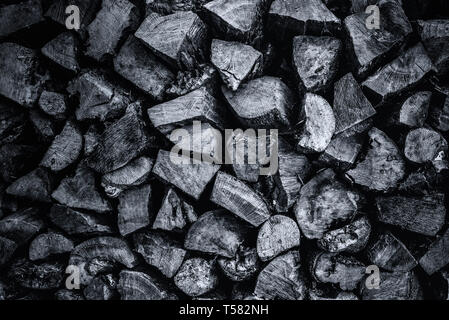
x=53 y=104
x=423 y=145
x=64 y=51
x=434 y=35
x=14 y=17
x=437 y=256
x=243 y=266
x=395 y=286
x=415 y=109
x=197 y=276
x=36 y=185
x=134 y=209
x=134 y=285
x=21 y=226
x=49 y=244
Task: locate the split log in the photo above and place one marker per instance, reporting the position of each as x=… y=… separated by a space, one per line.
x=439 y=116
x=425 y=215
x=180 y=39
x=53 y=104
x=112 y=24
x=160 y=250
x=351 y=238
x=101 y=288
x=16 y=160
x=415 y=109
x=235 y=61
x=423 y=145
x=196 y=277
x=437 y=256
x=68 y=295
x=91 y=139
x=262 y=103
x=37 y=276
x=189 y=177
x=292 y=17
x=64 y=51
x=434 y=35
x=122 y=141
x=134 y=209
x=240 y=199
x=205 y=75
x=175 y=213
x=80 y=192
x=49 y=244
x=12 y=123
x=318 y=127
x=35 y=186
x=325 y=203
x=43 y=126
x=99 y=99
x=88 y=254
x=344 y=271
x=277 y=235
x=133 y=174
x=135 y=285
x=216 y=232
x=74 y=222
x=382 y=167
x=243 y=266
x=15 y=17
x=137 y=64
x=282 y=279
x=316 y=61
x=19 y=80
x=403 y=73
x=389 y=253
x=21 y=226
x=7 y=249
x=342 y=152
x=370 y=48
x=65 y=149
x=394 y=286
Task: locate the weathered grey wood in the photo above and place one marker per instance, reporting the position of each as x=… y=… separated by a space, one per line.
x=37 y=185
x=316 y=61
x=205 y=75
x=325 y=203
x=197 y=276
x=342 y=152
x=439 y=116
x=21 y=226
x=64 y=51
x=7 y=249
x=101 y=288
x=240 y=199
x=437 y=256
x=91 y=139
x=134 y=285
x=43 y=126
x=434 y=35
x=415 y=109
x=419 y=183
x=216 y=232
x=394 y=286
x=425 y=215
x=423 y=145
x=37 y=276
x=17 y=16
x=243 y=266
x=134 y=209
x=53 y=104
x=179 y=39
x=49 y=244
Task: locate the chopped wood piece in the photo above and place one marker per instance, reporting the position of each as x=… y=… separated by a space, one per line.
x=99 y=99
x=382 y=167
x=394 y=286
x=316 y=61
x=262 y=103
x=135 y=285
x=79 y=223
x=133 y=209
x=65 y=149
x=282 y=279
x=351 y=107
x=68 y=295
x=423 y=145
x=345 y=271
x=91 y=139
x=12 y=123
x=437 y=256
x=14 y=17
x=21 y=226
x=16 y=160
x=216 y=232
x=87 y=254
x=19 y=80
x=369 y=48
x=112 y=24
x=137 y=64
x=277 y=235
x=197 y=276
x=48 y=244
x=101 y=288
x=435 y=38
x=160 y=250
x=341 y=153
x=180 y=39
x=35 y=186
x=240 y=199
x=402 y=74
x=122 y=141
x=425 y=215
x=292 y=17
x=38 y=276
x=419 y=183
x=53 y=104
x=187 y=81
x=351 y=238
x=179 y=171
x=7 y=249
x=175 y=213
x=81 y=192
x=43 y=126
x=319 y=124
x=236 y=62
x=197 y=105
x=389 y=253
x=243 y=266
x=439 y=116
x=64 y=51
x=414 y=110
x=238 y=20
x=133 y=174
x=325 y=203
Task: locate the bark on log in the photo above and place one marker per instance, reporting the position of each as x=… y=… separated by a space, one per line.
x=134 y=209
x=196 y=277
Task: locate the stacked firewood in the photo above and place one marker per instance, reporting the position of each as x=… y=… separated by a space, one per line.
x=92 y=205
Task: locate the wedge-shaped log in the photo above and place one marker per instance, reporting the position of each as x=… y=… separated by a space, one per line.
x=35 y=186
x=180 y=39
x=394 y=286
x=53 y=104
x=435 y=38
x=240 y=199
x=437 y=256
x=49 y=244
x=342 y=152
x=134 y=209
x=415 y=109
x=7 y=249
x=216 y=232
x=423 y=145
x=37 y=276
x=197 y=276
x=134 y=285
x=243 y=266
x=14 y=17
x=64 y=51
x=21 y=226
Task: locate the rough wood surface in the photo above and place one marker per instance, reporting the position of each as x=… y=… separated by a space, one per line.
x=17 y=16
x=437 y=256
x=37 y=185
x=43 y=127
x=12 y=123
x=415 y=109
x=22 y=226
x=243 y=266
x=196 y=277
x=435 y=38
x=134 y=285
x=64 y=51
x=134 y=209
x=53 y=104
x=423 y=145
x=342 y=152
x=49 y=244
x=395 y=286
